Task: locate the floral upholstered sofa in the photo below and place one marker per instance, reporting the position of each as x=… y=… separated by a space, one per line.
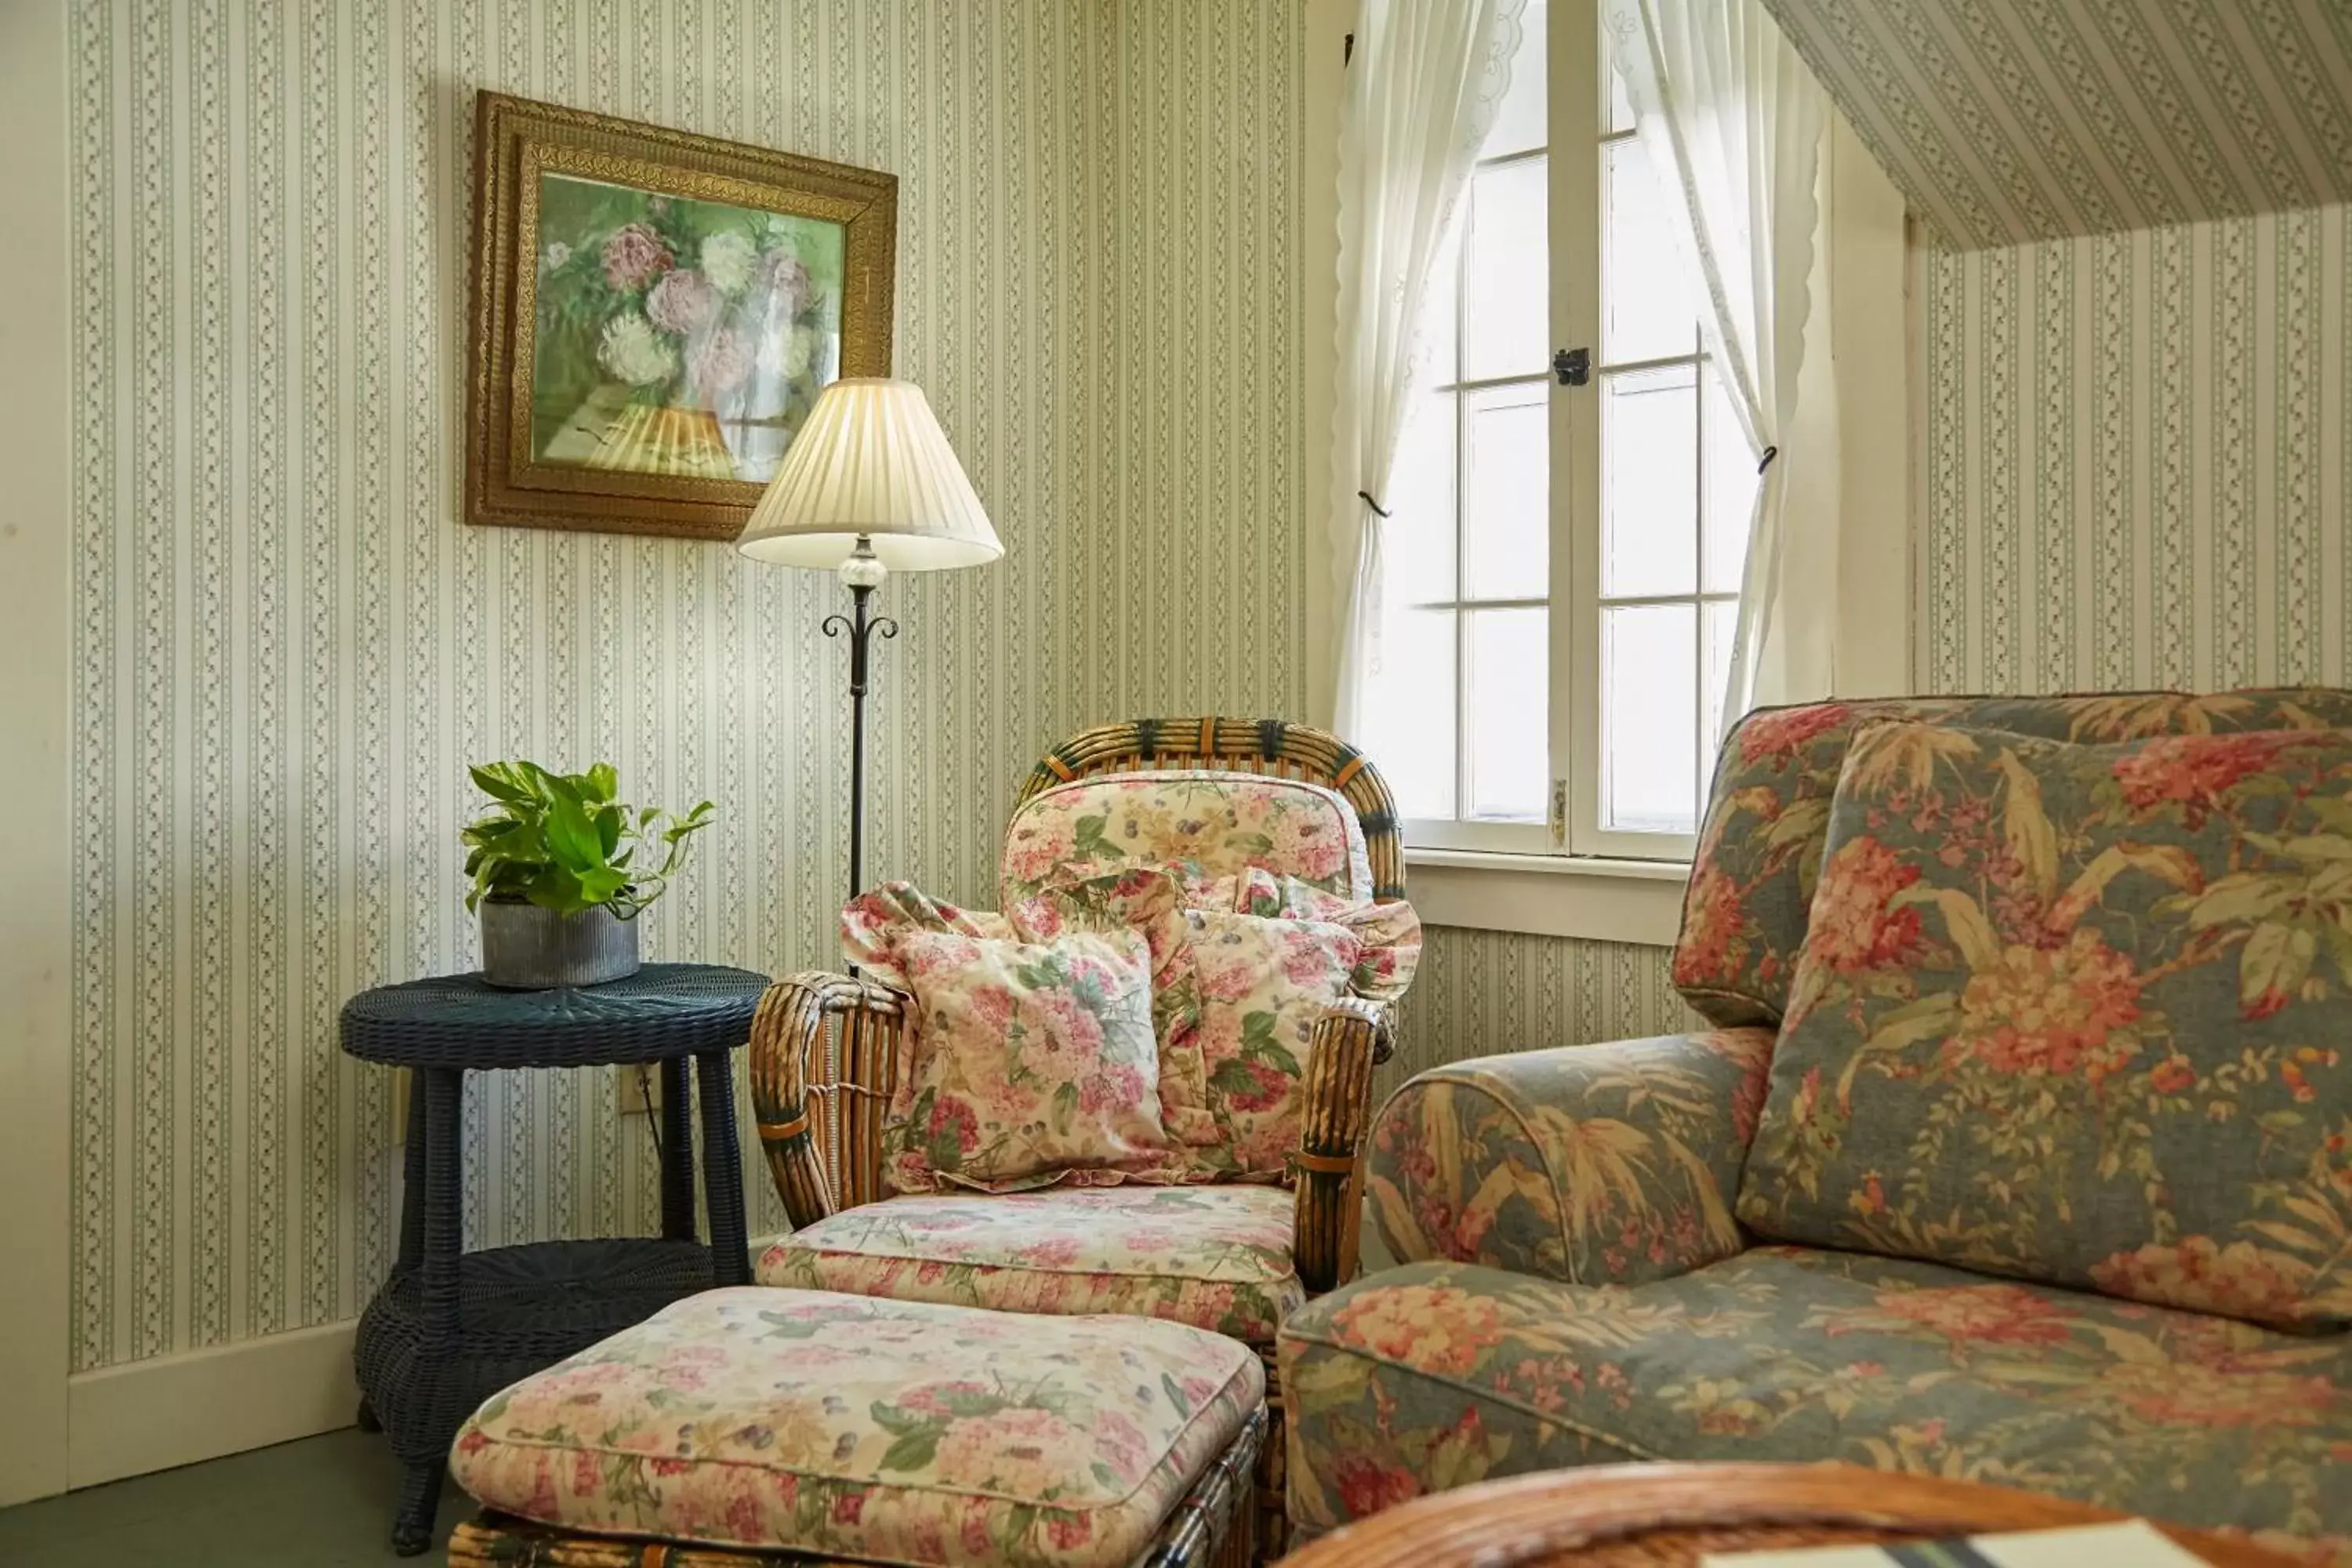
x=1595 y=1240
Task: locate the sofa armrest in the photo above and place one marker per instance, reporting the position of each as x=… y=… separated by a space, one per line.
x=1592 y=1165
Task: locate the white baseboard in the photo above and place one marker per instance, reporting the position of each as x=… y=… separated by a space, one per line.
x=178 y=1409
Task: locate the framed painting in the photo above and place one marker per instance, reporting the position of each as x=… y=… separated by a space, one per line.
x=654 y=315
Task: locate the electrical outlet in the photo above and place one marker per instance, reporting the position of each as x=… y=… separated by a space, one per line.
x=641 y=1088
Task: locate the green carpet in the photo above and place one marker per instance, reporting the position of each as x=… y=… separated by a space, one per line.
x=323 y=1503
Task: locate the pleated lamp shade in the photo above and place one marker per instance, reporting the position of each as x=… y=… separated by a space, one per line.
x=871 y=462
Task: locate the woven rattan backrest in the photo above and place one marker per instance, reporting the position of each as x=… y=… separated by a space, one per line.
x=1271 y=748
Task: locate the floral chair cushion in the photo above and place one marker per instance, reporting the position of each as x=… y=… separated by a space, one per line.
x=887 y=1431
x=1437 y=1375
x=2072 y=1013
x=1216 y=1258
x=1760 y=848
x=1031 y=1063
x=1224 y=822
x=1264 y=985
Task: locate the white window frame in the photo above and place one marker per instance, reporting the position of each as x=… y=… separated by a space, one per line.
x=1868 y=330
x=1573 y=825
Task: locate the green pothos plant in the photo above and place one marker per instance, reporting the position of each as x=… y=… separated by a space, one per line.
x=563 y=842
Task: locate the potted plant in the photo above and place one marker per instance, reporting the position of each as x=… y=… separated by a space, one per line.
x=556 y=880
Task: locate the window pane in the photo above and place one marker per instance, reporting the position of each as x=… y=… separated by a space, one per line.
x=1620 y=105
x=1729 y=497
x=1649 y=482
x=1648 y=656
x=1720 y=622
x=1419 y=533
x=1510 y=760
x=1507 y=492
x=1440 y=322
x=1508 y=276
x=1646 y=295
x=1411 y=722
x=1519 y=122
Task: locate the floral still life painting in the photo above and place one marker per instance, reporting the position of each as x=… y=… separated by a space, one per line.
x=677 y=336
x=655 y=313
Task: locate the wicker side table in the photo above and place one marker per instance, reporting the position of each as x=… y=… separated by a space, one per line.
x=1668 y=1516
x=449 y=1329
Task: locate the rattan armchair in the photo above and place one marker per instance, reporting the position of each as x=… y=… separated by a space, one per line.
x=826 y=1048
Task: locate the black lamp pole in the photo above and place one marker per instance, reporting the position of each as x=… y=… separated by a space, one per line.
x=863 y=573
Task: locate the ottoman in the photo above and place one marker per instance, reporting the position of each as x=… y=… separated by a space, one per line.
x=762 y=1425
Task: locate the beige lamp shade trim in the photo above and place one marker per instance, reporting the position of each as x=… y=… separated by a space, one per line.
x=871 y=462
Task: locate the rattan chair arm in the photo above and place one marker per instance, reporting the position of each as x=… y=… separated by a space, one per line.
x=1349 y=1040
x=797 y=1017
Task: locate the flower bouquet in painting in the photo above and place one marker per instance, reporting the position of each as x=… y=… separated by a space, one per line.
x=676 y=336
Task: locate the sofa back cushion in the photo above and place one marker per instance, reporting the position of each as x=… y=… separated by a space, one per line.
x=2080 y=1014
x=1221 y=822
x=1760 y=848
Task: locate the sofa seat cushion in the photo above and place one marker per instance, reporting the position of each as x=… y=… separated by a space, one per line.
x=887 y=1431
x=1436 y=1375
x=1216 y=1257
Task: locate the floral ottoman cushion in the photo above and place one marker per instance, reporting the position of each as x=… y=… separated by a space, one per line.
x=2079 y=1013
x=1218 y=1257
x=889 y=1431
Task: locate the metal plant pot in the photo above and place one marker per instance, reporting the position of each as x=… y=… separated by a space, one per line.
x=526 y=948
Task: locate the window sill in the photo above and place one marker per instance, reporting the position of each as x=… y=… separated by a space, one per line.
x=1549 y=895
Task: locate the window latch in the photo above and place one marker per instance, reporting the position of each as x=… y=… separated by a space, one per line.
x=1574 y=366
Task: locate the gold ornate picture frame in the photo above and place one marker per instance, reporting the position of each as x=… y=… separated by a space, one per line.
x=653 y=312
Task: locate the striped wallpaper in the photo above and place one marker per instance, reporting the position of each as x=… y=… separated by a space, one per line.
x=1479 y=993
x=288 y=647
x=2136 y=456
x=2010 y=120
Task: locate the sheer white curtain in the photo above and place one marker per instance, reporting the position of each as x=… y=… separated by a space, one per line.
x=1732 y=121
x=1423 y=88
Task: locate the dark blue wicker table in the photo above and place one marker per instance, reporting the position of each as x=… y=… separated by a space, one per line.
x=449 y=1328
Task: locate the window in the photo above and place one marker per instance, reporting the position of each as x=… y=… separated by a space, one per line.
x=1563 y=561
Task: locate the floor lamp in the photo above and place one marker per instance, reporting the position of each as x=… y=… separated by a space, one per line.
x=869 y=487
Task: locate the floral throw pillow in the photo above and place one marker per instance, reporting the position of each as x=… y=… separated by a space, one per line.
x=1150 y=901
x=1264 y=984
x=2079 y=1013
x=1390 y=933
x=1030 y=1063
x=1033 y=1065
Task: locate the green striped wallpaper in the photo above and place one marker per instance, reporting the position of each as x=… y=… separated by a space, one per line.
x=2008 y=121
x=2136 y=456
x=288 y=647
x=1479 y=993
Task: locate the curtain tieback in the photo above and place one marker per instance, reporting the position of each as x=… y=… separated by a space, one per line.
x=1366 y=497
x=1765 y=462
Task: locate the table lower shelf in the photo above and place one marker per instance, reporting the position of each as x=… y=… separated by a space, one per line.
x=520 y=1310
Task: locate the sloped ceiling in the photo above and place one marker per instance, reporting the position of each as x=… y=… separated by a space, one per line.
x=2006 y=120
